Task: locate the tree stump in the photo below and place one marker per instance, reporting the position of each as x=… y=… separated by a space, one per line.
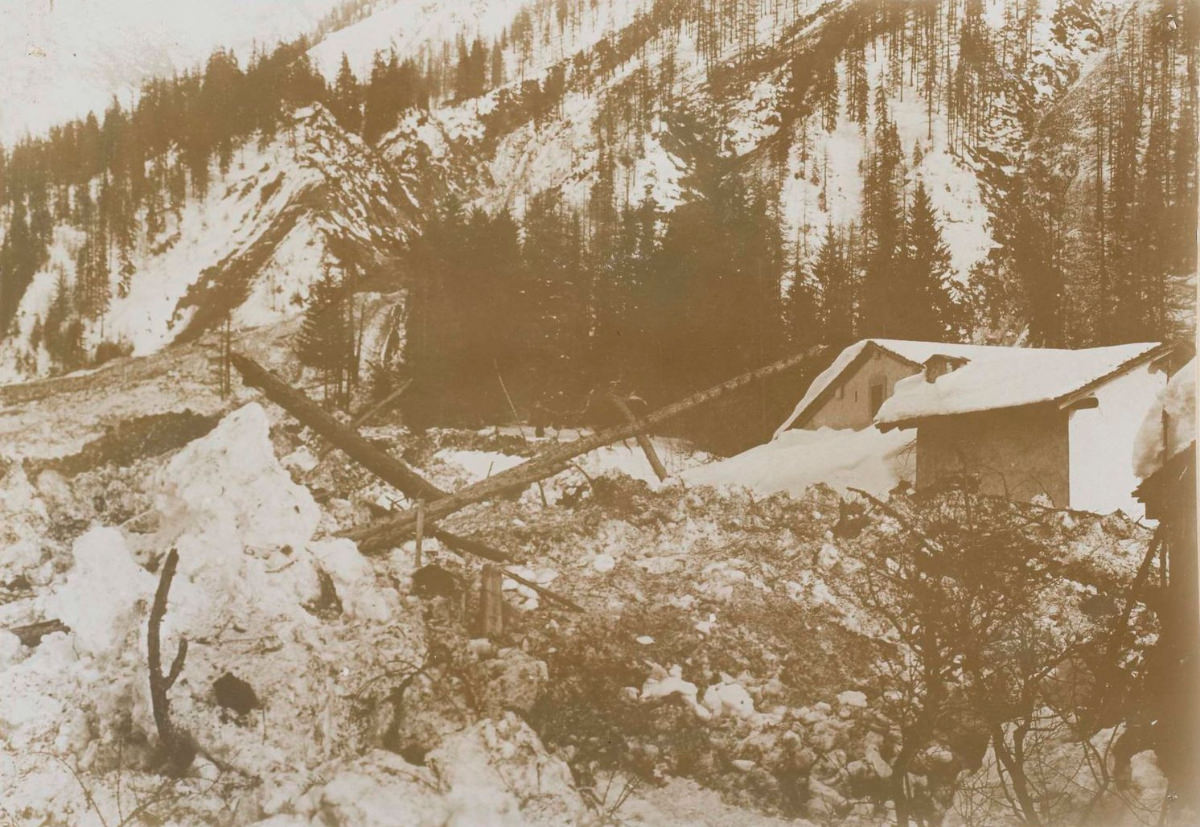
x=491 y=602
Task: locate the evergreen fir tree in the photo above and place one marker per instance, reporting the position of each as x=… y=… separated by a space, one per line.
x=345 y=99
x=834 y=286
x=326 y=338
x=882 y=225
x=924 y=306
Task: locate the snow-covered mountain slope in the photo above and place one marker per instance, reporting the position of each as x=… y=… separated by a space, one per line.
x=617 y=97
x=782 y=96
x=61 y=58
x=313 y=199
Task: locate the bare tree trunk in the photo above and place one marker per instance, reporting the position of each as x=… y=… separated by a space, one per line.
x=174 y=745
x=1017 y=773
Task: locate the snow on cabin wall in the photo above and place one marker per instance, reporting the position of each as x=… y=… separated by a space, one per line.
x=849 y=406
x=1102 y=441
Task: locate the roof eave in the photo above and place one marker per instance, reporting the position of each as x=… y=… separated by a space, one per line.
x=1066 y=400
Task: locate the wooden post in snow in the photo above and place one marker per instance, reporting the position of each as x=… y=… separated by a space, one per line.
x=643 y=439
x=175 y=747
x=491 y=602
x=420 y=529
x=388 y=532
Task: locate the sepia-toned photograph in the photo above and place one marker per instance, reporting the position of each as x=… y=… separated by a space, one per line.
x=599 y=413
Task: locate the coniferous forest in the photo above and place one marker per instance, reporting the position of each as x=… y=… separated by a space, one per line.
x=1089 y=215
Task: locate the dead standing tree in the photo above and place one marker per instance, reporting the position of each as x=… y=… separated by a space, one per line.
x=175 y=746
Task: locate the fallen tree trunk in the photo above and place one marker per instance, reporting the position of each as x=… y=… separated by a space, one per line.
x=380 y=463
x=643 y=439
x=391 y=531
x=309 y=413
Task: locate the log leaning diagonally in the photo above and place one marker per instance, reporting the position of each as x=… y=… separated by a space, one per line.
x=643 y=439
x=380 y=463
x=392 y=530
x=389 y=469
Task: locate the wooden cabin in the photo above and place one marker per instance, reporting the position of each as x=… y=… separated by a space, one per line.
x=1031 y=423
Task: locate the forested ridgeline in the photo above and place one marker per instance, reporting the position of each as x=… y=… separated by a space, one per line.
x=1077 y=120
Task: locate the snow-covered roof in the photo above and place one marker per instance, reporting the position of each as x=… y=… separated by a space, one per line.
x=1007 y=377
x=915 y=352
x=1170 y=425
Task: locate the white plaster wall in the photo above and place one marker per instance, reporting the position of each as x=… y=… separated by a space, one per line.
x=1101 y=442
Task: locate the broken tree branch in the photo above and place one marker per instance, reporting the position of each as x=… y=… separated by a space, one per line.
x=643 y=439
x=543 y=591
x=176 y=748
x=388 y=532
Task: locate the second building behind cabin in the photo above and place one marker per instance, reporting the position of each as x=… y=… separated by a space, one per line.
x=851 y=391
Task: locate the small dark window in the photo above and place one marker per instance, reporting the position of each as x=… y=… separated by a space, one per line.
x=878 y=389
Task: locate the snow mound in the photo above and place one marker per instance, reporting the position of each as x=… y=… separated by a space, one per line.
x=793 y=461
x=495 y=772
x=1170 y=425
x=229 y=481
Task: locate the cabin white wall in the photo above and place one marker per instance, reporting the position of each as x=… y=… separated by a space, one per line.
x=1101 y=443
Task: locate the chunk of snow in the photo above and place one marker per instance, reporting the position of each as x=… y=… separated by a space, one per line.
x=101 y=598
x=731 y=698
x=353 y=578
x=852 y=698
x=1170 y=425
x=674 y=684
x=231 y=479
x=798 y=459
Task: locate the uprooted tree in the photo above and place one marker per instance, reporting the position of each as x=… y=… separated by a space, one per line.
x=395 y=529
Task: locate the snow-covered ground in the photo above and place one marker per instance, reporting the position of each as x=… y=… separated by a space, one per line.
x=797 y=459
x=697 y=588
